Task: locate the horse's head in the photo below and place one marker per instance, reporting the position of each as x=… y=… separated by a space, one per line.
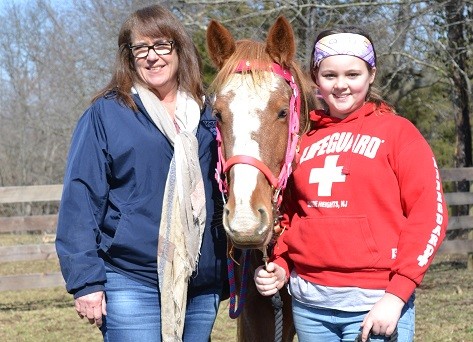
x=259 y=94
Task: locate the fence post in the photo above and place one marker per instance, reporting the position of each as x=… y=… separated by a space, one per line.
x=470 y=255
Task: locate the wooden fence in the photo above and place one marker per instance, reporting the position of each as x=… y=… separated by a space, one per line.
x=33 y=223
x=47 y=223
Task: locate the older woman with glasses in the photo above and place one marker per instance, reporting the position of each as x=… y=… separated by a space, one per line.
x=139 y=237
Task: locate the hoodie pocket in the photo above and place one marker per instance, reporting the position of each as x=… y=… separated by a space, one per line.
x=344 y=243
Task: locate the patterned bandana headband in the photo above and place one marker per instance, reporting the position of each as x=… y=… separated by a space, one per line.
x=344 y=44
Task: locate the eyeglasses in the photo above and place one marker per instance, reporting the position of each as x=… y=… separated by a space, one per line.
x=161 y=48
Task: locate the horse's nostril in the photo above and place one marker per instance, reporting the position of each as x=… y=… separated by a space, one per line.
x=264 y=220
x=226 y=214
x=264 y=214
x=226 y=223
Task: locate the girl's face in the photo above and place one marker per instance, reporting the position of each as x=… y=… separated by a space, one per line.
x=158 y=72
x=344 y=82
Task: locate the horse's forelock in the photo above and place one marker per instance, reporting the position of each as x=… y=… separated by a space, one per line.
x=246 y=50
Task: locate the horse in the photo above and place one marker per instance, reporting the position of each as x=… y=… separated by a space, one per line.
x=261 y=100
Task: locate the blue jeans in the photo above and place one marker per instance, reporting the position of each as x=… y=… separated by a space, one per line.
x=133 y=312
x=315 y=324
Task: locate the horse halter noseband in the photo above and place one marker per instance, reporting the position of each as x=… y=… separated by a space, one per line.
x=277 y=183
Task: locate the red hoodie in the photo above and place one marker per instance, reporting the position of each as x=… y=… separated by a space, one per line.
x=369 y=209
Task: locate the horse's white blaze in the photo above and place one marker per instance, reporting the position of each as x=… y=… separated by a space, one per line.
x=249 y=100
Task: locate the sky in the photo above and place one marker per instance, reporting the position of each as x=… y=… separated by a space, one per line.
x=4 y=3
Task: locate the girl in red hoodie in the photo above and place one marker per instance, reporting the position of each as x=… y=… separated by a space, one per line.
x=367 y=211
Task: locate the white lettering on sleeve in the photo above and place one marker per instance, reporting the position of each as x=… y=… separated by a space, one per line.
x=423 y=259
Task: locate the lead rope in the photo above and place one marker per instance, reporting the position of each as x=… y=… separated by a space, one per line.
x=277 y=303
x=392 y=338
x=235 y=312
x=278 y=317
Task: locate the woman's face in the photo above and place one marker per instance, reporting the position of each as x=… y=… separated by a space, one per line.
x=344 y=82
x=158 y=72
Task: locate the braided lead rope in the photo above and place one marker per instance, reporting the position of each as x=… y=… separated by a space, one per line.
x=278 y=317
x=234 y=313
x=392 y=338
x=277 y=303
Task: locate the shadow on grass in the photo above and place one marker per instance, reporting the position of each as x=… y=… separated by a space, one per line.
x=448 y=266
x=36 y=304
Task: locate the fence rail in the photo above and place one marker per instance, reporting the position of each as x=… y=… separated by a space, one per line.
x=47 y=223
x=464 y=222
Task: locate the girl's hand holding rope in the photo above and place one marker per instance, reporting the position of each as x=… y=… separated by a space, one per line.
x=269 y=279
x=383 y=317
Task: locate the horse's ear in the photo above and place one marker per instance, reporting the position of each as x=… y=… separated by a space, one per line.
x=280 y=44
x=220 y=43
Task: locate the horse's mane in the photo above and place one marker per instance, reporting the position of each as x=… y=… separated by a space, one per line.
x=255 y=52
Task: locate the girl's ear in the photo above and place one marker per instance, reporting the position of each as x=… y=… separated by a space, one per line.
x=373 y=74
x=313 y=76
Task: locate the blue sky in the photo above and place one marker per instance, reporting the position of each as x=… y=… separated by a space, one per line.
x=4 y=3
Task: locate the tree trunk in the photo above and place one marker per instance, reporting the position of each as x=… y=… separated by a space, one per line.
x=457 y=46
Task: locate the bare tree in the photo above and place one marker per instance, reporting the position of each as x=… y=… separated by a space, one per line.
x=414 y=53
x=54 y=58
x=455 y=15
x=35 y=103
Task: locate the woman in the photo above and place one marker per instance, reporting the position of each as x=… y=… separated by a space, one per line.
x=367 y=212
x=139 y=237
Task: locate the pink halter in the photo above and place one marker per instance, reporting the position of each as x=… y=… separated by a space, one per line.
x=278 y=183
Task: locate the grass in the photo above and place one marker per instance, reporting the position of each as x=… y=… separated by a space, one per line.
x=42 y=315
x=445 y=302
x=444 y=307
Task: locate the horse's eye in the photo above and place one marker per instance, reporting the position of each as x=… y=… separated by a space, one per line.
x=217 y=114
x=282 y=114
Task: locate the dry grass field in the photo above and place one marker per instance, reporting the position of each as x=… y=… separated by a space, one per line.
x=444 y=308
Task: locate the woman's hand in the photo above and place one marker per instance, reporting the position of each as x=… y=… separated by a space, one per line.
x=383 y=316
x=270 y=279
x=92 y=306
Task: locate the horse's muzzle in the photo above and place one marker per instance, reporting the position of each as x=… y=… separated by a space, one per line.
x=248 y=229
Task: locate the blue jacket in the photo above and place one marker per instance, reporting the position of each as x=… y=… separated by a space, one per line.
x=113 y=194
